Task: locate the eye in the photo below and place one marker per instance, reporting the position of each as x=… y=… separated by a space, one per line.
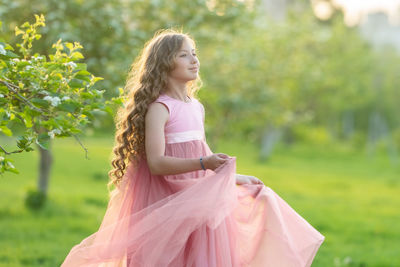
x=194 y=54
x=183 y=55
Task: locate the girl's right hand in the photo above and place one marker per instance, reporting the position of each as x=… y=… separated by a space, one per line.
x=215 y=160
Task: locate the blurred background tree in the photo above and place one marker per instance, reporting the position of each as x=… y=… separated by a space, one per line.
x=268 y=75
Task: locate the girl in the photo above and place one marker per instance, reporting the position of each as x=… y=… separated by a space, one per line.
x=176 y=203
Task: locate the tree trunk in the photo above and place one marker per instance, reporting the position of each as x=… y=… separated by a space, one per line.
x=376 y=130
x=348 y=124
x=269 y=139
x=45 y=162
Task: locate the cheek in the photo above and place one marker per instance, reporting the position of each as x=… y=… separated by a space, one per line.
x=179 y=66
x=179 y=63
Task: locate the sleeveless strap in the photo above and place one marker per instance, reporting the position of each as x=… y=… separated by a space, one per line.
x=166 y=102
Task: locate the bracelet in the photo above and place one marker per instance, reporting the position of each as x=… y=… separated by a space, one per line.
x=201 y=163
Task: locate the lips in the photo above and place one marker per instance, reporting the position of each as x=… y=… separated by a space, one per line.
x=194 y=69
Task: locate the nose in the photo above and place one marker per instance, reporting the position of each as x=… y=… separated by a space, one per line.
x=194 y=59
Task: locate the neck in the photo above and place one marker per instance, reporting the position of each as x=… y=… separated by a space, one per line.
x=177 y=90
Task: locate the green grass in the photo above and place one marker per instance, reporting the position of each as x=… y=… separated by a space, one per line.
x=352 y=200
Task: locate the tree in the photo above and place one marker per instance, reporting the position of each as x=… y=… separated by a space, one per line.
x=45 y=97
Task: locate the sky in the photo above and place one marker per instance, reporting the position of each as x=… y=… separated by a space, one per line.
x=356 y=10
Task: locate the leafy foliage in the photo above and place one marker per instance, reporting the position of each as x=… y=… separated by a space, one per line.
x=45 y=97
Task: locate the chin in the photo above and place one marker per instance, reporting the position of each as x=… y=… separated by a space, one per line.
x=191 y=78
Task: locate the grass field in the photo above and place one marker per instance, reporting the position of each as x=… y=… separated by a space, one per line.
x=354 y=201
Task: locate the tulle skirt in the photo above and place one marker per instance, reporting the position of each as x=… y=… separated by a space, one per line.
x=196 y=219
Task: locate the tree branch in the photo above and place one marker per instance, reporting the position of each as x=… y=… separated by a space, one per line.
x=9 y=153
x=79 y=141
x=14 y=88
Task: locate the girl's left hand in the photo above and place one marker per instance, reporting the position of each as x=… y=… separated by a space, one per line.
x=245 y=179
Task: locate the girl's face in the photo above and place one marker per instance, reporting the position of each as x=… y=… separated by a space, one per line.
x=186 y=63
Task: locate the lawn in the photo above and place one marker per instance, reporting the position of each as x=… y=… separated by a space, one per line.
x=351 y=199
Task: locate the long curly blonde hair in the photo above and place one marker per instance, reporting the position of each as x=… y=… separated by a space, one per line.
x=146 y=80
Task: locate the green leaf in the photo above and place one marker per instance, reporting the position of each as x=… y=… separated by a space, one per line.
x=43 y=140
x=75 y=83
x=22 y=141
x=77 y=55
x=25 y=25
x=75 y=130
x=70 y=46
x=40 y=102
x=6 y=130
x=88 y=114
x=8 y=47
x=31 y=112
x=82 y=78
x=8 y=55
x=83 y=72
x=15 y=119
x=14 y=170
x=86 y=95
x=18 y=31
x=53 y=66
x=22 y=64
x=96 y=79
x=7 y=165
x=83 y=121
x=117 y=100
x=109 y=110
x=3 y=101
x=27 y=120
x=95 y=105
x=3 y=115
x=68 y=106
x=50 y=123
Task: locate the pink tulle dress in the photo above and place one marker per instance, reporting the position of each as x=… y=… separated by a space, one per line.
x=195 y=219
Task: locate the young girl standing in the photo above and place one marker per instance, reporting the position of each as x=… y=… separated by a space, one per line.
x=176 y=203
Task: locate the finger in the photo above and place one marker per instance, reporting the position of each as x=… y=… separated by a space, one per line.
x=255 y=180
x=222 y=160
x=222 y=155
x=219 y=159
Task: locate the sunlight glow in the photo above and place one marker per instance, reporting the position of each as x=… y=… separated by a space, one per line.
x=322 y=10
x=356 y=10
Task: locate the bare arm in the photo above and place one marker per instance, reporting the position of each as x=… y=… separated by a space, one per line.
x=155 y=119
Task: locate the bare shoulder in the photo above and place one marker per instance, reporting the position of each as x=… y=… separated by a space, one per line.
x=157 y=112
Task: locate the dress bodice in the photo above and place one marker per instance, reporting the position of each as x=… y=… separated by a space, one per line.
x=186 y=119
